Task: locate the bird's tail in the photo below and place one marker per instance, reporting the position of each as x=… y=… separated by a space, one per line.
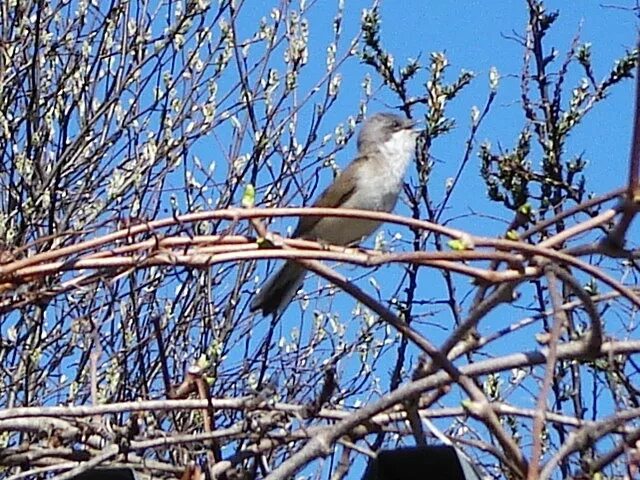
x=279 y=289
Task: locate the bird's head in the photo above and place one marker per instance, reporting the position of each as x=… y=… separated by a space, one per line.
x=382 y=128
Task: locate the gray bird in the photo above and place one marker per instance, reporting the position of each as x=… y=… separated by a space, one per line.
x=372 y=181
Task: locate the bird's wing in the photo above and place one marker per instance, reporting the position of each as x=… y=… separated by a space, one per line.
x=334 y=196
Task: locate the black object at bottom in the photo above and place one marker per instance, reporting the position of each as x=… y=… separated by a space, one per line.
x=433 y=462
x=107 y=474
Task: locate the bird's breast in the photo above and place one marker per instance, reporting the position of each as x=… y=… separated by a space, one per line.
x=379 y=181
x=375 y=192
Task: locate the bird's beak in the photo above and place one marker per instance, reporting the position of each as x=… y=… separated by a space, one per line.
x=413 y=126
x=410 y=124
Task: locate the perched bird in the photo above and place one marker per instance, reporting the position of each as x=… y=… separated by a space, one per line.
x=372 y=181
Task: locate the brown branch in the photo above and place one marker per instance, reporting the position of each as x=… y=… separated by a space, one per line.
x=560 y=321
x=320 y=444
x=634 y=163
x=228 y=214
x=583 y=438
x=616 y=238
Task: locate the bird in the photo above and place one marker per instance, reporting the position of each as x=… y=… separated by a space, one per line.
x=372 y=181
